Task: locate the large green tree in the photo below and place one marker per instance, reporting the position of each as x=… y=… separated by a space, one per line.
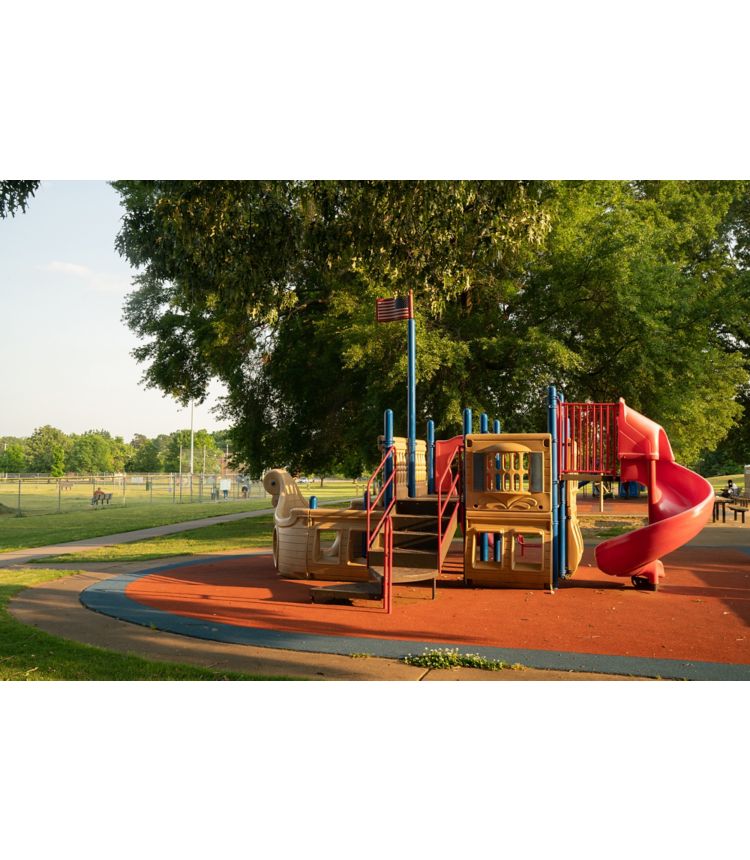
x=271 y=287
x=146 y=458
x=12 y=457
x=90 y=454
x=47 y=447
x=608 y=289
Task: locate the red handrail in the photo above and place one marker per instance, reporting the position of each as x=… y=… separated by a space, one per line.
x=385 y=523
x=441 y=506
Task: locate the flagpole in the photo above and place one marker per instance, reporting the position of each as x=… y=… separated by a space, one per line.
x=411 y=401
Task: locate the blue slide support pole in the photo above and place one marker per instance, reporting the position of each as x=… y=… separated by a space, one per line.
x=467 y=431
x=388 y=441
x=562 y=563
x=552 y=429
x=412 y=408
x=484 y=539
x=430 y=456
x=313 y=503
x=497 y=554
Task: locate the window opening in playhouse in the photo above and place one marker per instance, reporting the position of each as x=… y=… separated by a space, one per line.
x=528 y=550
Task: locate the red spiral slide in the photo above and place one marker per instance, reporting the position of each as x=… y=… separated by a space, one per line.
x=679 y=501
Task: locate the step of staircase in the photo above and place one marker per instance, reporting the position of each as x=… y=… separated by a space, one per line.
x=427 y=505
x=421 y=540
x=347 y=591
x=403 y=557
x=418 y=522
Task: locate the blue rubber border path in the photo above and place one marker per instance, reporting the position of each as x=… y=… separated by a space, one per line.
x=109 y=598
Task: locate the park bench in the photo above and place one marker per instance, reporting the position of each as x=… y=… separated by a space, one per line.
x=741 y=508
x=101 y=498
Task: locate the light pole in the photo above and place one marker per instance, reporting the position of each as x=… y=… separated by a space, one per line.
x=192 y=436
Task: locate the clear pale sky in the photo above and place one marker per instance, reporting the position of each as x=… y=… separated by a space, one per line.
x=64 y=351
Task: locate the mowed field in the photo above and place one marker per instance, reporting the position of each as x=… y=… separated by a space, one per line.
x=80 y=520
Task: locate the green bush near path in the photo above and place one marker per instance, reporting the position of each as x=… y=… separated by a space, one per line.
x=28 y=654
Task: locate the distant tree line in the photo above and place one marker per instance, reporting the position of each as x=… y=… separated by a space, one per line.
x=51 y=451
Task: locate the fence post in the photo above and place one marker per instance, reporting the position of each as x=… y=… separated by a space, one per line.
x=19 y=498
x=59 y=495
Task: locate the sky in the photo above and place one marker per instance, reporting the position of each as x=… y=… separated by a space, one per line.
x=64 y=351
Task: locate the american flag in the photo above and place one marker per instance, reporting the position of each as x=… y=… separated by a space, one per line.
x=389 y=310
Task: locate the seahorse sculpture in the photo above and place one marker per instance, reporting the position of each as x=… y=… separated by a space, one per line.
x=286 y=497
x=291 y=522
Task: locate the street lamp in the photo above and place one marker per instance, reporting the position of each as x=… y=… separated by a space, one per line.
x=192 y=437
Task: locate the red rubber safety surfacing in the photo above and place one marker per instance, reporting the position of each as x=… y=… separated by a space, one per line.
x=701 y=611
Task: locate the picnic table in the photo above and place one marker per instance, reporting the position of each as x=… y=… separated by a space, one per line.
x=737 y=504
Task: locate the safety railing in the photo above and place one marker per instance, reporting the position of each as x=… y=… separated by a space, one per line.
x=385 y=523
x=587 y=438
x=442 y=505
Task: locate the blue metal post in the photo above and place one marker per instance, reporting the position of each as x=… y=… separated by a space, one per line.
x=313 y=503
x=484 y=538
x=496 y=430
x=387 y=442
x=467 y=421
x=498 y=547
x=562 y=564
x=552 y=429
x=430 y=457
x=412 y=408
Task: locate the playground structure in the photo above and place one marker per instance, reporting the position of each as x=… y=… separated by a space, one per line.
x=514 y=496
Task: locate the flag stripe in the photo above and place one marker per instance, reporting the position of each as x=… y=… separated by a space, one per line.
x=389 y=310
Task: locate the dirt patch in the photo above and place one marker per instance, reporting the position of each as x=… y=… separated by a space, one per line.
x=607 y=527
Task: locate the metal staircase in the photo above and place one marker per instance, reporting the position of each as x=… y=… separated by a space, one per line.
x=419 y=547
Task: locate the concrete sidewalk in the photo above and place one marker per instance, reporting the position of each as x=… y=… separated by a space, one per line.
x=23 y=556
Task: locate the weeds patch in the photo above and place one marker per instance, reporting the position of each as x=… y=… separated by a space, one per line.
x=451 y=658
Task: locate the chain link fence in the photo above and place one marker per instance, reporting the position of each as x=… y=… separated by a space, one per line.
x=26 y=496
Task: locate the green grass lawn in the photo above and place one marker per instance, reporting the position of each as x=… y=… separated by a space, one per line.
x=251 y=533
x=43 y=530
x=28 y=654
x=24 y=532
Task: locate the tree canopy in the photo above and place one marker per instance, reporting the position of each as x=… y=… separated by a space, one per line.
x=607 y=289
x=15 y=194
